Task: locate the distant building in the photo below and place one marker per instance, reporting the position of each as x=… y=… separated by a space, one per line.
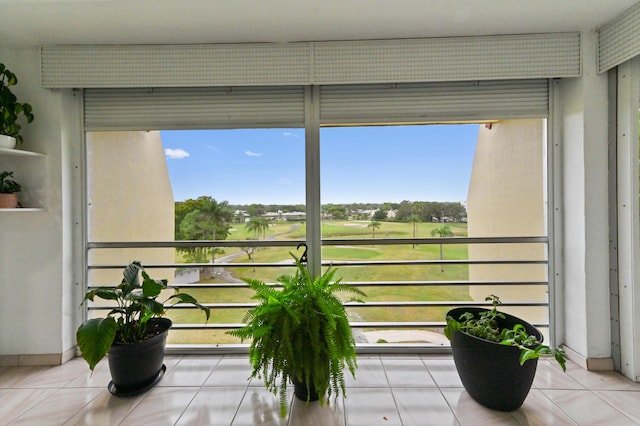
x=507 y=199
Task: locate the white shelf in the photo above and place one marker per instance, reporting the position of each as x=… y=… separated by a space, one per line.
x=19 y=153
x=26 y=209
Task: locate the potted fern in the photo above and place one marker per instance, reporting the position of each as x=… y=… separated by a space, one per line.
x=496 y=354
x=301 y=334
x=11 y=110
x=8 y=189
x=133 y=333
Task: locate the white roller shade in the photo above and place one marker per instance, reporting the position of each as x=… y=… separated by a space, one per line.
x=619 y=40
x=433 y=102
x=193 y=108
x=500 y=57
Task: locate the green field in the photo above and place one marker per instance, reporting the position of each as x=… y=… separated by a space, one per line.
x=341 y=229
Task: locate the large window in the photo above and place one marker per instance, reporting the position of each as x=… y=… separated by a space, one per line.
x=422 y=217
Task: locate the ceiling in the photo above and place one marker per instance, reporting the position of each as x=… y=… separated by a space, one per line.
x=25 y=23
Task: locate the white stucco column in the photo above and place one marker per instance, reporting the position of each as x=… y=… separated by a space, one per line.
x=628 y=213
x=583 y=281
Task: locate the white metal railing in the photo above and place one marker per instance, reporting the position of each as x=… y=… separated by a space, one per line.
x=390 y=306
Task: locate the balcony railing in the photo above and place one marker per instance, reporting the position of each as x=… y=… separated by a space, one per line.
x=395 y=305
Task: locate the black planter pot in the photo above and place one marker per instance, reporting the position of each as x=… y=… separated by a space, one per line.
x=490 y=372
x=136 y=367
x=300 y=391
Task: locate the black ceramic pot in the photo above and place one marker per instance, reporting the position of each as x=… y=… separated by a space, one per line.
x=490 y=372
x=136 y=366
x=300 y=391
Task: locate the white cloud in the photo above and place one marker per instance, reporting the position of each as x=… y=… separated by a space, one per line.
x=252 y=154
x=176 y=154
x=289 y=134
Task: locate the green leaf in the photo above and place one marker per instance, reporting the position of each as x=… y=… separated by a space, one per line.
x=527 y=354
x=452 y=326
x=187 y=298
x=130 y=274
x=95 y=337
x=152 y=288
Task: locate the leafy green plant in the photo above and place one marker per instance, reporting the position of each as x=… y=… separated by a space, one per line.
x=10 y=108
x=487 y=326
x=128 y=322
x=300 y=333
x=8 y=186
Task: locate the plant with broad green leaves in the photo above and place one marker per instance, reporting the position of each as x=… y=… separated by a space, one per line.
x=300 y=333
x=10 y=108
x=486 y=326
x=128 y=322
x=8 y=186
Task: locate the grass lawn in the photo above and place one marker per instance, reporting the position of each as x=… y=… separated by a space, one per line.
x=341 y=229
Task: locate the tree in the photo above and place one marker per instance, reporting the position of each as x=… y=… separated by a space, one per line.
x=414 y=219
x=258 y=225
x=374 y=224
x=380 y=215
x=405 y=210
x=338 y=212
x=442 y=231
x=209 y=220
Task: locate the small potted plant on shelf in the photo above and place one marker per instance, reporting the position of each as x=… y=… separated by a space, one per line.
x=301 y=334
x=496 y=354
x=133 y=333
x=8 y=189
x=11 y=110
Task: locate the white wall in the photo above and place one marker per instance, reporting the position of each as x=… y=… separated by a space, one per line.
x=38 y=306
x=584 y=278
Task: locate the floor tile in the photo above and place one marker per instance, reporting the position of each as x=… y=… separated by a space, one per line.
x=58 y=407
x=370 y=373
x=16 y=402
x=444 y=372
x=538 y=410
x=371 y=406
x=59 y=376
x=407 y=372
x=420 y=406
x=191 y=371
x=259 y=407
x=586 y=409
x=13 y=377
x=98 y=378
x=627 y=402
x=469 y=412
x=213 y=406
x=601 y=380
x=161 y=406
x=105 y=409
x=230 y=371
x=314 y=414
x=550 y=376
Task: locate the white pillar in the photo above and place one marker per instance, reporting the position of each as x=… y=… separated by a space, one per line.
x=628 y=103
x=584 y=279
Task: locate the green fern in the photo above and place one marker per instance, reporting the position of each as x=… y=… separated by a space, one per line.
x=301 y=332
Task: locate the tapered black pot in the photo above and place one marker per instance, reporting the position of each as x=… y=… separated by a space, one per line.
x=137 y=366
x=300 y=391
x=490 y=372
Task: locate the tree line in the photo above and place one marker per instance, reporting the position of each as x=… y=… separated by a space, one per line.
x=205 y=218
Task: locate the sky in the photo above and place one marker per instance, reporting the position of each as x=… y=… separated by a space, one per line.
x=357 y=164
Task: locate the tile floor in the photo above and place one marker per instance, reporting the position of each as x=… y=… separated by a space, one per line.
x=389 y=390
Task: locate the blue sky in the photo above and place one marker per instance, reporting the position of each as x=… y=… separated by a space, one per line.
x=358 y=164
